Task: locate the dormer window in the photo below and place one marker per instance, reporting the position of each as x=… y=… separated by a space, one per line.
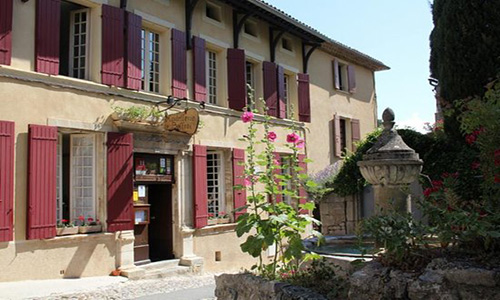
x=286 y=44
x=250 y=28
x=213 y=12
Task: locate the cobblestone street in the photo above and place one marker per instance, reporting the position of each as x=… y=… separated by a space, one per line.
x=131 y=289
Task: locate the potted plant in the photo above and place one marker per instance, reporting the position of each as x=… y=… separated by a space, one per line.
x=64 y=227
x=89 y=225
x=212 y=219
x=223 y=218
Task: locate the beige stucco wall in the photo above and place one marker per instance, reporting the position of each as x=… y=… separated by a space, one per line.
x=33 y=98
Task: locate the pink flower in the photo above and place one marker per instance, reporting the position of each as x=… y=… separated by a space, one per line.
x=81 y=218
x=90 y=220
x=475 y=165
x=248 y=182
x=292 y=138
x=470 y=139
x=271 y=136
x=300 y=144
x=247 y=117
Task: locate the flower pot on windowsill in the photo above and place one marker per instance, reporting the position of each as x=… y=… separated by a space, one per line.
x=223 y=220
x=66 y=230
x=90 y=228
x=212 y=222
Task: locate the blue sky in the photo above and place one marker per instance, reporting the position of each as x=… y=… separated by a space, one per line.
x=395 y=32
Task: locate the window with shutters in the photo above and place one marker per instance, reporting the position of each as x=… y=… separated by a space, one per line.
x=215 y=183
x=76 y=176
x=74 y=40
x=343 y=135
x=250 y=80
x=342 y=75
x=211 y=76
x=150 y=61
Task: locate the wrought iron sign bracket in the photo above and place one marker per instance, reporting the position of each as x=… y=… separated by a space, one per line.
x=174 y=101
x=274 y=39
x=238 y=25
x=190 y=5
x=306 y=53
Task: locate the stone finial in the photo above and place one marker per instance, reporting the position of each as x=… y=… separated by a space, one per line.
x=388 y=117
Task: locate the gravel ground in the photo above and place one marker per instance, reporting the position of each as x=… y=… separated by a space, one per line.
x=133 y=289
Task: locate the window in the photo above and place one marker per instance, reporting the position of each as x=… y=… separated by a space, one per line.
x=343 y=135
x=286 y=44
x=251 y=28
x=76 y=187
x=215 y=183
x=250 y=81
x=74 y=40
x=342 y=71
x=213 y=12
x=286 y=81
x=211 y=77
x=150 y=61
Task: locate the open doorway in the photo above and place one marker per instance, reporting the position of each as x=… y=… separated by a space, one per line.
x=160 y=227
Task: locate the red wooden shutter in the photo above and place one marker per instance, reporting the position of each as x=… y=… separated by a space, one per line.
x=48 y=17
x=304 y=98
x=336 y=74
x=179 y=61
x=355 y=133
x=277 y=171
x=336 y=136
x=199 y=69
x=120 y=181
x=281 y=92
x=239 y=195
x=200 y=186
x=113 y=46
x=270 y=92
x=351 y=78
x=302 y=190
x=42 y=165
x=7 y=139
x=134 y=28
x=236 y=82
x=5 y=31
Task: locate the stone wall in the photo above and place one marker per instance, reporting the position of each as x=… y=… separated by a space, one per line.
x=339 y=215
x=250 y=287
x=441 y=279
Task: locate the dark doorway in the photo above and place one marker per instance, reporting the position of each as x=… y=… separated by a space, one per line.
x=160 y=227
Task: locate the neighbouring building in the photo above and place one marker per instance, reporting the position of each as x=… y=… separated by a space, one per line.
x=72 y=71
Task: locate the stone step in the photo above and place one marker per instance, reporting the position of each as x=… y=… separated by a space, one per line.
x=166 y=272
x=161 y=264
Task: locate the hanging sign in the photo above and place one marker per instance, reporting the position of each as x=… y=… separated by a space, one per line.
x=186 y=121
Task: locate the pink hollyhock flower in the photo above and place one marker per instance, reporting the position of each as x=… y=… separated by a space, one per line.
x=271 y=136
x=248 y=182
x=300 y=144
x=247 y=117
x=292 y=138
x=470 y=139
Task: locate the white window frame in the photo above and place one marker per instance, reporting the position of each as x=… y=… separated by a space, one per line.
x=211 y=78
x=221 y=203
x=72 y=42
x=73 y=215
x=250 y=79
x=286 y=160
x=286 y=96
x=146 y=61
x=59 y=179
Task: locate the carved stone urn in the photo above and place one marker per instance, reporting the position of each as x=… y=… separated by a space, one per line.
x=390 y=166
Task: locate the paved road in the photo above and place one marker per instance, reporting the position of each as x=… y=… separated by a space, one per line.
x=201 y=293
x=185 y=287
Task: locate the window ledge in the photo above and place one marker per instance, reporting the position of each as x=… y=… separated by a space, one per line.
x=215 y=229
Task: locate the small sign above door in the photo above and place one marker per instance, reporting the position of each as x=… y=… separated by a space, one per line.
x=186 y=121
